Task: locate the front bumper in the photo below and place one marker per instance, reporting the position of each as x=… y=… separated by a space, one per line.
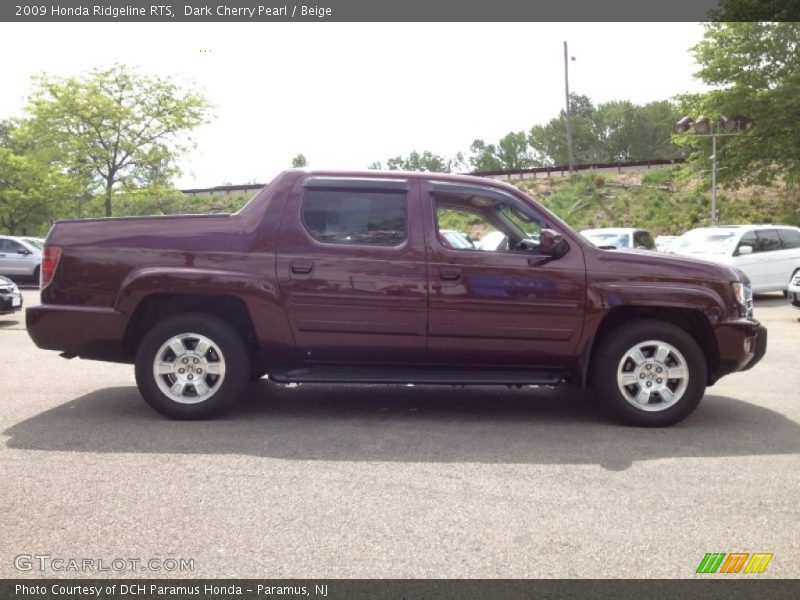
x=794 y=297
x=10 y=302
x=742 y=344
x=760 y=348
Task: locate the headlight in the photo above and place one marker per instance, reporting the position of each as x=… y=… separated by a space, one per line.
x=744 y=296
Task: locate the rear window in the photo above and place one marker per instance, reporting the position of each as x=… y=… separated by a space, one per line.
x=356 y=216
x=769 y=240
x=790 y=237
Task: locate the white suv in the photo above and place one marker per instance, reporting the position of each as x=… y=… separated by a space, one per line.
x=19 y=258
x=769 y=254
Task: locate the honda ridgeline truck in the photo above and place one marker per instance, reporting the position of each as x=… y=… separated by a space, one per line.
x=346 y=277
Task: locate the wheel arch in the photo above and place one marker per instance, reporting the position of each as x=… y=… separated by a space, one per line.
x=694 y=322
x=156 y=307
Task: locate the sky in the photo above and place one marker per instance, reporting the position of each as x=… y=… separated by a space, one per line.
x=348 y=94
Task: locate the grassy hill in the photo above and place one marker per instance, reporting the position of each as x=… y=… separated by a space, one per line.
x=666 y=201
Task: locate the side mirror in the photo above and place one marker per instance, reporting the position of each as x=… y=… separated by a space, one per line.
x=744 y=250
x=552 y=244
x=24 y=251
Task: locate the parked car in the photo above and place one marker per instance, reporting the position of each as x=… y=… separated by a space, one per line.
x=663 y=242
x=10 y=298
x=768 y=254
x=794 y=290
x=19 y=258
x=340 y=277
x=620 y=237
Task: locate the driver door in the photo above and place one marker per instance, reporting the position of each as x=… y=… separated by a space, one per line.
x=498 y=304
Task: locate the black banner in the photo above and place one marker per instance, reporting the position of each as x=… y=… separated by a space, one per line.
x=396 y=10
x=714 y=588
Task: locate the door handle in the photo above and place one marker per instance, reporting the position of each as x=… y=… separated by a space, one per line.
x=449 y=275
x=302 y=268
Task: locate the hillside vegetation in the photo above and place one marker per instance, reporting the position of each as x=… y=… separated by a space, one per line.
x=666 y=201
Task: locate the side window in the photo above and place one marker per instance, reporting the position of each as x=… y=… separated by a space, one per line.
x=463 y=229
x=749 y=239
x=790 y=237
x=485 y=225
x=643 y=239
x=769 y=240
x=10 y=246
x=356 y=217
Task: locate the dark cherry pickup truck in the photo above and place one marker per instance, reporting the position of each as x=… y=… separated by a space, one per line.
x=389 y=277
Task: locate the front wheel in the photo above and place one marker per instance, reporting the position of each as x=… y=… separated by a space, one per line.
x=192 y=366
x=649 y=373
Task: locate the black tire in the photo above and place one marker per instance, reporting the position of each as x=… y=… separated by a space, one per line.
x=621 y=400
x=35 y=276
x=227 y=348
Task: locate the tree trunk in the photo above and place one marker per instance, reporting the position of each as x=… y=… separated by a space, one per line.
x=109 y=185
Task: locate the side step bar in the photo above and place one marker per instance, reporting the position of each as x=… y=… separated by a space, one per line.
x=420 y=376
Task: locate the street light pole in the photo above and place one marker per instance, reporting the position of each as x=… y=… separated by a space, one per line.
x=570 y=153
x=714 y=178
x=706 y=128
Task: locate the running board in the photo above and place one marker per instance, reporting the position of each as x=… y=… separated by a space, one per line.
x=420 y=376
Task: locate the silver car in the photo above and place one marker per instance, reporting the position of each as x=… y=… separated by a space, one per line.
x=19 y=258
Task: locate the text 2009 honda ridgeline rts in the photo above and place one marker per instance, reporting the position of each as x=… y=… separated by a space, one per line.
x=361 y=278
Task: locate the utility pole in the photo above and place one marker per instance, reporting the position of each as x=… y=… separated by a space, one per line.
x=714 y=179
x=703 y=127
x=570 y=153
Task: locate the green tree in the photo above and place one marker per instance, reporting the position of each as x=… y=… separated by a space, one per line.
x=755 y=68
x=549 y=141
x=510 y=153
x=484 y=157
x=415 y=161
x=115 y=126
x=299 y=161
x=613 y=131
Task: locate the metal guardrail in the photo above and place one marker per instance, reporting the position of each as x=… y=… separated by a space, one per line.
x=563 y=170
x=520 y=173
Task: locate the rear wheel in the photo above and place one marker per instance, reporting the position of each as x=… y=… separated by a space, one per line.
x=35 y=276
x=649 y=373
x=192 y=366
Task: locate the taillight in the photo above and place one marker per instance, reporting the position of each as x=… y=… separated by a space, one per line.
x=50 y=257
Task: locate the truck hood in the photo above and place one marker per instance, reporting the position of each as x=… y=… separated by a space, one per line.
x=658 y=265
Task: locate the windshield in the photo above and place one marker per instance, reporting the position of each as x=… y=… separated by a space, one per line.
x=618 y=240
x=35 y=243
x=705 y=241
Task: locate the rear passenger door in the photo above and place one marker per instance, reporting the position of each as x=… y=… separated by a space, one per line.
x=352 y=273
x=771 y=252
x=753 y=264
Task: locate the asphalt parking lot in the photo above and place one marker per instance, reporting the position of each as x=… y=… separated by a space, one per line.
x=373 y=481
